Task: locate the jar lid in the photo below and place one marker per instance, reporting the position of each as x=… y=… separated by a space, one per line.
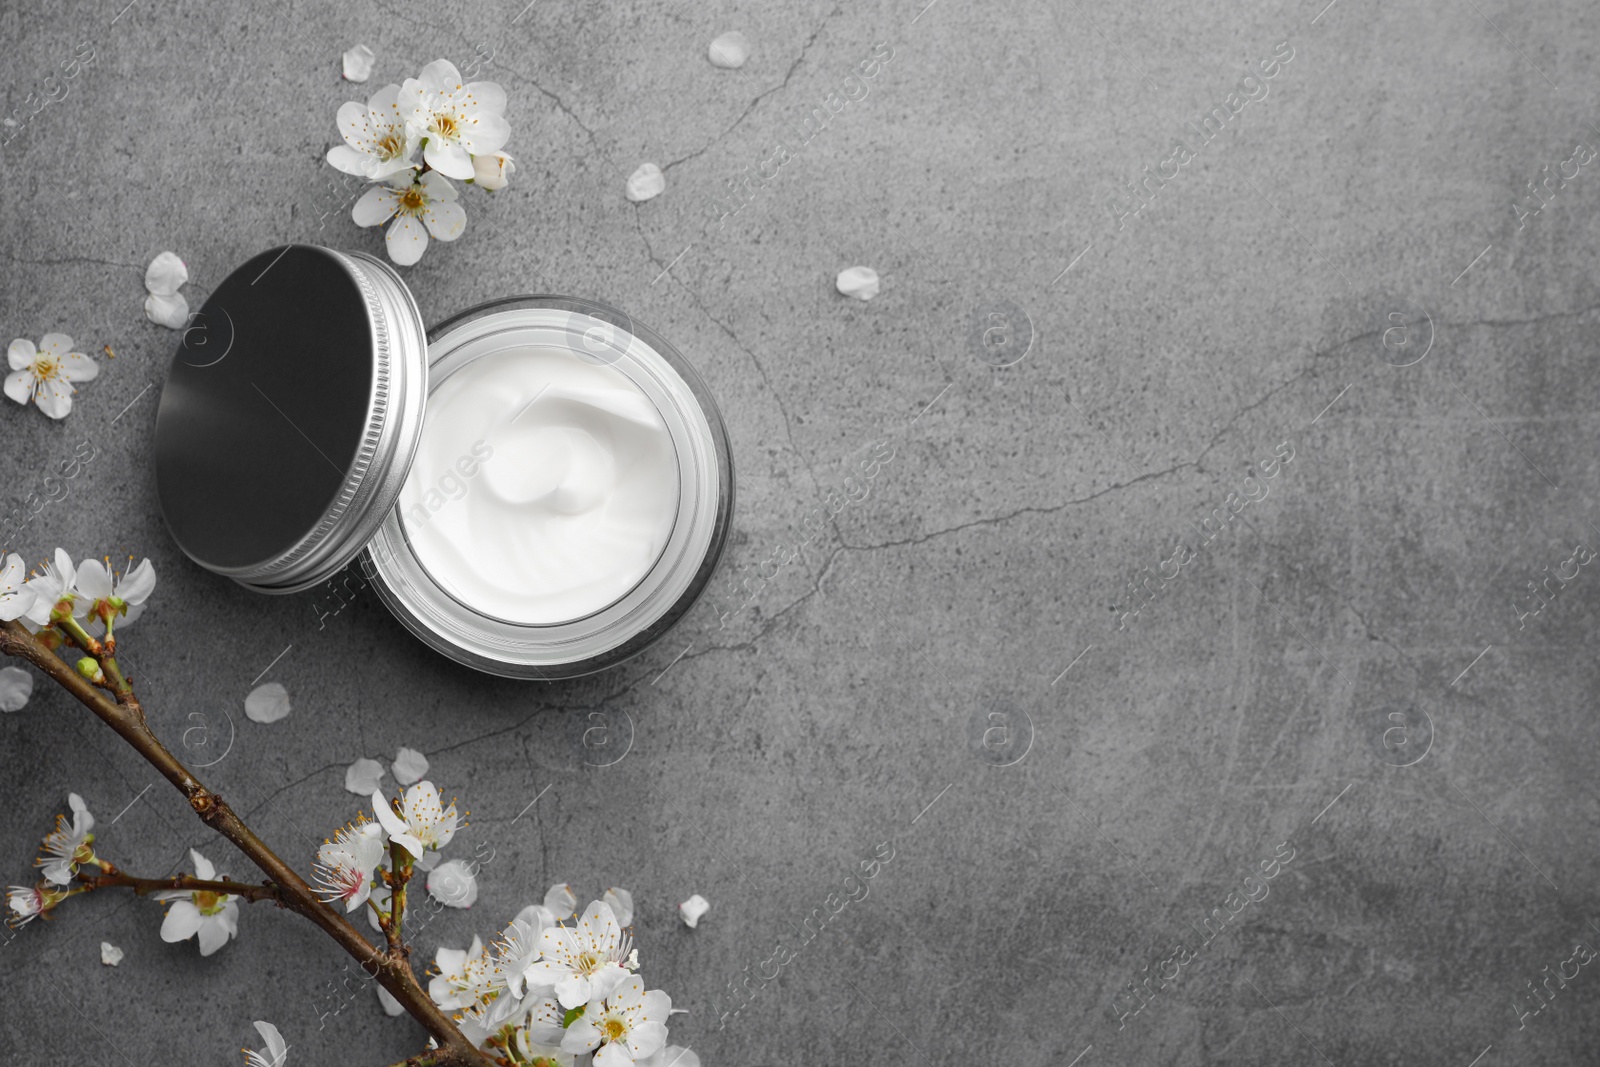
x=290 y=416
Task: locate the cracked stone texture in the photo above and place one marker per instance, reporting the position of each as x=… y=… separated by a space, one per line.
x=1374 y=589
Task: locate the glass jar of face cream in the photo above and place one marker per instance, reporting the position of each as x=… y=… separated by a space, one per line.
x=537 y=487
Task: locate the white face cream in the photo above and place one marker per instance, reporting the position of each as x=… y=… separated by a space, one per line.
x=544 y=488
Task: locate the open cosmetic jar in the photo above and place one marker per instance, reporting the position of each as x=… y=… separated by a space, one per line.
x=538 y=487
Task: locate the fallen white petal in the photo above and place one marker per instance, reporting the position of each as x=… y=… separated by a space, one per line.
x=646 y=182
x=409 y=766
x=358 y=68
x=692 y=909
x=110 y=954
x=859 y=282
x=363 y=777
x=453 y=884
x=730 y=50
x=165 y=274
x=16 y=686
x=391 y=1006
x=267 y=703
x=169 y=311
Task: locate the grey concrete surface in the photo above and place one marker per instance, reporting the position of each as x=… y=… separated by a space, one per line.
x=1342 y=669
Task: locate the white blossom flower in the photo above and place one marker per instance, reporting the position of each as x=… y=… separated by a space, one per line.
x=213 y=916
x=344 y=865
x=422 y=822
x=492 y=171
x=276 y=1054
x=453 y=884
x=15 y=597
x=115 y=594
x=629 y=1025
x=16 y=686
x=44 y=374
x=466 y=977
x=378 y=144
x=419 y=208
x=583 y=963
x=456 y=121
x=55 y=589
x=28 y=902
x=68 y=844
x=520 y=947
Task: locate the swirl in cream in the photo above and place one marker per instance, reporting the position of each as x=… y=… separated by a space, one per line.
x=544 y=488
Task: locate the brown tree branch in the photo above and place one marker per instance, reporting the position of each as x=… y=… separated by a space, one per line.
x=126 y=716
x=143 y=886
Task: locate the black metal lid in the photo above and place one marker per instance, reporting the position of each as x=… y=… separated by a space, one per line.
x=290 y=416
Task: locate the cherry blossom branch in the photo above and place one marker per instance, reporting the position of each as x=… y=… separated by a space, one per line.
x=113 y=877
x=126 y=716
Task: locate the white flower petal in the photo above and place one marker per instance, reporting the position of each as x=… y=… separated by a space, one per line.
x=450 y=159
x=16 y=686
x=362 y=778
x=21 y=353
x=19 y=385
x=267 y=703
x=562 y=902
x=391 y=1006
x=645 y=183
x=182 y=921
x=55 y=344
x=165 y=274
x=94 y=579
x=110 y=954
x=77 y=367
x=406 y=240
x=348 y=159
x=437 y=187
x=445 y=219
x=376 y=206
x=409 y=766
x=169 y=311
x=204 y=869
x=358 y=63
x=277 y=1048
x=859 y=282
x=730 y=50
x=691 y=910
x=55 y=397
x=138 y=583
x=621 y=902
x=213 y=933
